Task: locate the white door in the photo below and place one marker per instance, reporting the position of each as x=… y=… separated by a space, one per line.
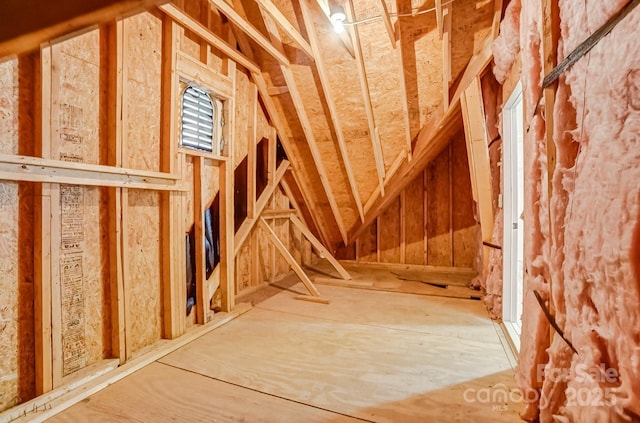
x=513 y=203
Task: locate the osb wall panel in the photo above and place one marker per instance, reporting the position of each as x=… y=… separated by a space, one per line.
x=390 y=233
x=142 y=56
x=438 y=206
x=414 y=222
x=431 y=241
x=384 y=70
x=342 y=74
x=75 y=99
x=281 y=227
x=9 y=271
x=367 y=244
x=244 y=101
x=144 y=304
x=465 y=227
x=190 y=43
x=78 y=224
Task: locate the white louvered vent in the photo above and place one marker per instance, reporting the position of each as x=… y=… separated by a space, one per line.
x=201 y=120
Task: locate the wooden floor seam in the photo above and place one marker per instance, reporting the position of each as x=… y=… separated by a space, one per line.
x=266 y=393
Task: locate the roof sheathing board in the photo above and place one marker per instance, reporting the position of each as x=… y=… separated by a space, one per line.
x=383 y=70
x=470 y=23
x=298 y=149
x=342 y=74
x=422 y=61
x=310 y=89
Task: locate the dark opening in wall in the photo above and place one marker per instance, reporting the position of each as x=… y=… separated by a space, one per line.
x=212 y=235
x=262 y=166
x=280 y=153
x=240 y=194
x=190 y=245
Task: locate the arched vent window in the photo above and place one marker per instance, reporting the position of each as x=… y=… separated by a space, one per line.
x=198 y=117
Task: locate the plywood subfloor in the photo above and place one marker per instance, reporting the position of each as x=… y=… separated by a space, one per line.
x=367 y=356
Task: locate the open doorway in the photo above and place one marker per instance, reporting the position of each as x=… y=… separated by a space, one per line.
x=513 y=207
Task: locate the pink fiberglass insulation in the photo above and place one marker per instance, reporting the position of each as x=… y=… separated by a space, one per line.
x=507 y=46
x=493 y=282
x=597 y=219
x=587 y=245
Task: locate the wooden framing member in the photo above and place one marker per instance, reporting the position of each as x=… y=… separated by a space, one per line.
x=478 y=155
x=328 y=95
x=251 y=154
x=497 y=18
x=282 y=249
x=202 y=297
x=364 y=85
x=26 y=26
x=446 y=54
x=111 y=43
x=35 y=169
x=227 y=252
x=247 y=226
x=439 y=18
x=432 y=138
x=42 y=248
x=203 y=32
x=318 y=246
x=277 y=214
x=403 y=226
x=287 y=27
x=246 y=27
x=276 y=120
x=344 y=35
x=550 y=36
x=296 y=205
x=307 y=129
x=171 y=223
x=387 y=22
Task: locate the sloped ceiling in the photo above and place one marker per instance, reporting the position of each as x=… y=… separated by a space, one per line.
x=350 y=110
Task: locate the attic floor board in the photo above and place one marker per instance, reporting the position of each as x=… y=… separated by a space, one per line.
x=368 y=355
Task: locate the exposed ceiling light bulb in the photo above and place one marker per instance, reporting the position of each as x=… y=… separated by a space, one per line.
x=337 y=18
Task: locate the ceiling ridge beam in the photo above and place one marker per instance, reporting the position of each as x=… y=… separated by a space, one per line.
x=287 y=27
x=326 y=89
x=251 y=31
x=306 y=128
x=364 y=84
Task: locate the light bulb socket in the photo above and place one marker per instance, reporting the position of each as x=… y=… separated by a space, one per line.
x=338 y=18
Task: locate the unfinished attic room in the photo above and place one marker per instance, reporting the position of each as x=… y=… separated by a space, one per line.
x=320 y=211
